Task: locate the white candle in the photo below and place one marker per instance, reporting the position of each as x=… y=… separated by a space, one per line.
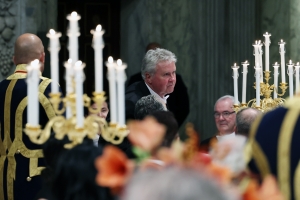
x=297 y=66
x=256 y=51
x=121 y=78
x=235 y=83
x=245 y=71
x=69 y=86
x=257 y=55
x=257 y=76
x=282 y=52
x=267 y=44
x=112 y=89
x=98 y=46
x=54 y=48
x=78 y=69
x=291 y=81
x=33 y=73
x=73 y=34
x=260 y=51
x=276 y=65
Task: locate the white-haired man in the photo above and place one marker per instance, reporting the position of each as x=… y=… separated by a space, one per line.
x=159 y=75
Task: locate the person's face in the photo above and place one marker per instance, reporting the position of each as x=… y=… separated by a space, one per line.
x=164 y=78
x=104 y=111
x=225 y=117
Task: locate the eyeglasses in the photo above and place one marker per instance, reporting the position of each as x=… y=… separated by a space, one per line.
x=225 y=114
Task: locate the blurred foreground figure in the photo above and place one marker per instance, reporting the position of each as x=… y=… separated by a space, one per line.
x=172 y=184
x=273 y=147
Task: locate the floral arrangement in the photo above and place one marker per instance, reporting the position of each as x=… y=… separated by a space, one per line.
x=224 y=163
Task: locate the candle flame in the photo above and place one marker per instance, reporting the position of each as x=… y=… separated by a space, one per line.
x=281 y=40
x=74 y=14
x=297 y=63
x=119 y=62
x=267 y=33
x=110 y=59
x=70 y=61
x=98 y=28
x=276 y=63
x=78 y=63
x=35 y=63
x=290 y=62
x=52 y=31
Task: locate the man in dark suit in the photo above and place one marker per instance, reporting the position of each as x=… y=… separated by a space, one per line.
x=177 y=98
x=159 y=78
x=21 y=160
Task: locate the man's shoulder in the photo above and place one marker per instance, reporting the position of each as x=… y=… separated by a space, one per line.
x=138 y=88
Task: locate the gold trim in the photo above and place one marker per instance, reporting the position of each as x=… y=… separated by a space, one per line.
x=297 y=182
x=260 y=159
x=283 y=154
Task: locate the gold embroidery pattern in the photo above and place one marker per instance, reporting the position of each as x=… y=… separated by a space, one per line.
x=297 y=182
x=18 y=146
x=283 y=154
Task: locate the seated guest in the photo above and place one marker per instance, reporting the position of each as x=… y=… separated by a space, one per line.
x=224 y=118
x=244 y=120
x=178 y=97
x=147 y=105
x=172 y=184
x=159 y=78
x=274 y=142
x=167 y=118
x=75 y=174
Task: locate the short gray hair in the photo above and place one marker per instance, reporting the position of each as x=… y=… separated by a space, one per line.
x=153 y=57
x=244 y=120
x=146 y=105
x=172 y=184
x=223 y=98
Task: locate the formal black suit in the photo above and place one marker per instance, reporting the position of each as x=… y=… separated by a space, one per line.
x=134 y=93
x=21 y=161
x=178 y=101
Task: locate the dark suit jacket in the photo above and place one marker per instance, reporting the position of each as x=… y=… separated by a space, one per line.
x=134 y=93
x=178 y=101
x=19 y=157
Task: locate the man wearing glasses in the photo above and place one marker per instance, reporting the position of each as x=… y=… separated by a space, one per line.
x=225 y=120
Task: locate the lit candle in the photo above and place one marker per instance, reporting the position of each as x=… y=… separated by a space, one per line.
x=282 y=52
x=98 y=46
x=260 y=51
x=258 y=55
x=256 y=51
x=121 y=78
x=297 y=66
x=235 y=84
x=267 y=44
x=245 y=71
x=54 y=48
x=69 y=86
x=112 y=89
x=257 y=76
x=276 y=65
x=78 y=69
x=291 y=81
x=73 y=34
x=33 y=78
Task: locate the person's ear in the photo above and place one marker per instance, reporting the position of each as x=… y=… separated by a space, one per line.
x=42 y=58
x=148 y=77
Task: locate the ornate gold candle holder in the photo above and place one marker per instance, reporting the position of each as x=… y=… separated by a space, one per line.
x=92 y=124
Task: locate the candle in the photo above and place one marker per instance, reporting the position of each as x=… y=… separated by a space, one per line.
x=121 y=77
x=297 y=66
x=98 y=46
x=258 y=55
x=260 y=51
x=33 y=73
x=282 y=52
x=54 y=48
x=256 y=51
x=69 y=86
x=73 y=34
x=257 y=76
x=235 y=84
x=245 y=71
x=276 y=65
x=290 y=73
x=267 y=44
x=112 y=89
x=78 y=69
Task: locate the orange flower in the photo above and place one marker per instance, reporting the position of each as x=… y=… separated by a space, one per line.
x=113 y=167
x=146 y=134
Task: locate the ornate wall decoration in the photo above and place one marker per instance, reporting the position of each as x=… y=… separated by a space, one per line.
x=7 y=30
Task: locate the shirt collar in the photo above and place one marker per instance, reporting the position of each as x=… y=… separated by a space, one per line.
x=222 y=137
x=164 y=99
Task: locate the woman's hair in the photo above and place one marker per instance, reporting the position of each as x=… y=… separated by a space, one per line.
x=74 y=177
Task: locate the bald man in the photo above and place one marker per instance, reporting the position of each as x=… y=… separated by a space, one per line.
x=20 y=159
